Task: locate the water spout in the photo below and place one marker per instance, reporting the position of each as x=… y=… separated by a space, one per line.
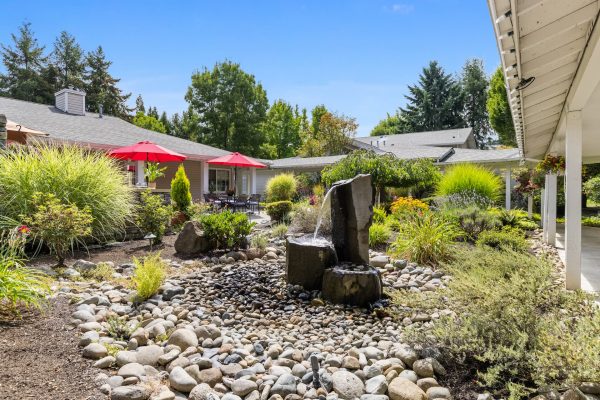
x=326 y=202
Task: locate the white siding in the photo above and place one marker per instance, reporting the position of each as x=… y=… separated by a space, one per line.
x=193 y=170
x=262 y=176
x=60 y=101
x=76 y=104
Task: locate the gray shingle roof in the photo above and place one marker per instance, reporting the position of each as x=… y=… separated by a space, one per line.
x=483 y=156
x=305 y=162
x=107 y=132
x=448 y=137
x=414 y=152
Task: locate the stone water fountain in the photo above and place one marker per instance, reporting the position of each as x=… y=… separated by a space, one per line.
x=340 y=267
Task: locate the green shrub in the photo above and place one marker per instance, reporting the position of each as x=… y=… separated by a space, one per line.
x=472 y=179
x=515 y=219
x=281 y=188
x=75 y=176
x=180 y=190
x=511 y=239
x=379 y=235
x=511 y=326
x=153 y=171
x=119 y=328
x=591 y=188
x=278 y=210
x=473 y=220
x=57 y=225
x=226 y=229
x=19 y=285
x=591 y=221
x=102 y=273
x=425 y=238
x=259 y=241
x=304 y=218
x=279 y=231
x=379 y=215
x=152 y=215
x=148 y=275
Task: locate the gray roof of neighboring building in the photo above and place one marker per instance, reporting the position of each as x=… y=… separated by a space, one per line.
x=489 y=156
x=448 y=137
x=413 y=152
x=305 y=162
x=106 y=132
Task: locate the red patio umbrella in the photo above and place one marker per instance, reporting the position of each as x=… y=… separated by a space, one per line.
x=237 y=160
x=146 y=151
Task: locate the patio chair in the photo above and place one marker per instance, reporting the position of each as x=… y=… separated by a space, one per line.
x=240 y=202
x=254 y=202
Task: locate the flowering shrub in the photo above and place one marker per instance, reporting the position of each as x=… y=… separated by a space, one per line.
x=526 y=181
x=551 y=164
x=408 y=205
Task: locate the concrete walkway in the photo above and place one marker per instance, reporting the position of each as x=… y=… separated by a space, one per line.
x=590 y=255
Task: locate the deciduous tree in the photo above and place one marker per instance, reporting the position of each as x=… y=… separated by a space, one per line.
x=148 y=122
x=282 y=130
x=231 y=107
x=499 y=110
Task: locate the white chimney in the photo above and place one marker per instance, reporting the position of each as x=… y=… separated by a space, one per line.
x=71 y=101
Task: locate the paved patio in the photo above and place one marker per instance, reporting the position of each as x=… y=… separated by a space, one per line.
x=590 y=255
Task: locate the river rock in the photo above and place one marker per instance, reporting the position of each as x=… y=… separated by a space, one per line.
x=285 y=385
x=95 y=351
x=181 y=380
x=347 y=385
x=130 y=392
x=183 y=338
x=403 y=389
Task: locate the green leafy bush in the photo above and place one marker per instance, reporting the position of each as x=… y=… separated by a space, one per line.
x=226 y=229
x=279 y=231
x=180 y=190
x=591 y=221
x=153 y=216
x=278 y=210
x=153 y=171
x=379 y=215
x=470 y=179
x=281 y=188
x=379 y=235
x=148 y=275
x=511 y=239
x=425 y=238
x=75 y=176
x=473 y=220
x=591 y=188
x=19 y=285
x=57 y=225
x=511 y=325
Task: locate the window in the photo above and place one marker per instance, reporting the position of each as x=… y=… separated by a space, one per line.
x=218 y=180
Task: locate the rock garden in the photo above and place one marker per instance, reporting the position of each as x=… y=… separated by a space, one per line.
x=355 y=292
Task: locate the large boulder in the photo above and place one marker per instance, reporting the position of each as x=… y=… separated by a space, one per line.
x=351 y=218
x=347 y=385
x=306 y=260
x=191 y=239
x=403 y=389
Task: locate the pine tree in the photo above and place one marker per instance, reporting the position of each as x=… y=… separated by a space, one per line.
x=153 y=112
x=68 y=59
x=499 y=110
x=434 y=103
x=175 y=125
x=139 y=105
x=165 y=121
x=24 y=62
x=101 y=86
x=474 y=87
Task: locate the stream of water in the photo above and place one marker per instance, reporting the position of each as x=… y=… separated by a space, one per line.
x=326 y=202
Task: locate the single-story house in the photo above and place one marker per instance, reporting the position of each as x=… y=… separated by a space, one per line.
x=68 y=122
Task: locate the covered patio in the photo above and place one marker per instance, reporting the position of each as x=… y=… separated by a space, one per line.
x=590 y=255
x=550 y=53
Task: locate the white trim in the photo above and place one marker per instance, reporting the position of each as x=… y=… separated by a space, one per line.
x=573 y=150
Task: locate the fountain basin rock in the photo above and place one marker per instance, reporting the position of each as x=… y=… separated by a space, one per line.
x=307 y=259
x=354 y=286
x=191 y=239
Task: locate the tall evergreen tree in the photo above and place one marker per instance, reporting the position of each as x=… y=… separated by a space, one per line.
x=282 y=130
x=139 y=105
x=69 y=60
x=101 y=86
x=499 y=110
x=474 y=84
x=24 y=62
x=231 y=107
x=434 y=103
x=165 y=121
x=153 y=112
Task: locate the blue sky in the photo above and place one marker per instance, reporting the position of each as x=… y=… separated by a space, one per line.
x=355 y=56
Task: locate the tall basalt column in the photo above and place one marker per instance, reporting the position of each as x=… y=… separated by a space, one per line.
x=351 y=217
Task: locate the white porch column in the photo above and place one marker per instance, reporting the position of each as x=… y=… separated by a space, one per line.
x=551 y=183
x=507 y=179
x=204 y=179
x=529 y=205
x=252 y=180
x=573 y=150
x=140 y=168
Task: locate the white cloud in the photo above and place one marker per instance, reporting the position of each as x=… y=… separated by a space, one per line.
x=402 y=8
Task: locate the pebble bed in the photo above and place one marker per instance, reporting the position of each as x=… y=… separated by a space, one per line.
x=231 y=328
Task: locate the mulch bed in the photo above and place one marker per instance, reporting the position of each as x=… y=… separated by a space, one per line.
x=39 y=358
